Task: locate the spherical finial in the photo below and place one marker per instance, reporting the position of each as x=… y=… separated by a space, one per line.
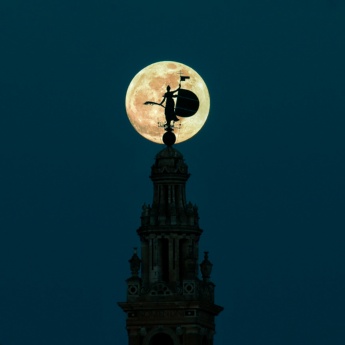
x=169 y=138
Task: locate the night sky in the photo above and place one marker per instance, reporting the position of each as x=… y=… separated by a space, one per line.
x=267 y=169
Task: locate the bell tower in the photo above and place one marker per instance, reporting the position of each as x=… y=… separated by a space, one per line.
x=167 y=301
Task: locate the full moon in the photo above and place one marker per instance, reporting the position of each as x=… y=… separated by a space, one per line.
x=150 y=85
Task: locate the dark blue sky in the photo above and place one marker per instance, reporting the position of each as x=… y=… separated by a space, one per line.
x=267 y=169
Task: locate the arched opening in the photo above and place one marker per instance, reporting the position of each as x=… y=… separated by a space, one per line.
x=205 y=341
x=183 y=252
x=161 y=339
x=165 y=260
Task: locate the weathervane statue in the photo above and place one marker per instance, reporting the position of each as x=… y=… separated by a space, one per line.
x=167 y=81
x=187 y=104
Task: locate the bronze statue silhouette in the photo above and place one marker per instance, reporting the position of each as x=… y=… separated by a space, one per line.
x=187 y=103
x=168 y=97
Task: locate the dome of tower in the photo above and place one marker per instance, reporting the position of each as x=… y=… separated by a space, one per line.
x=169 y=151
x=169 y=160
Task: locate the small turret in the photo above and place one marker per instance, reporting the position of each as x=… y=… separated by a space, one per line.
x=206 y=268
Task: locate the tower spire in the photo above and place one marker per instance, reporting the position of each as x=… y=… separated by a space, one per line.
x=167 y=302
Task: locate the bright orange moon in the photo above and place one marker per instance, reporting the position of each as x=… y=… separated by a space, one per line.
x=150 y=84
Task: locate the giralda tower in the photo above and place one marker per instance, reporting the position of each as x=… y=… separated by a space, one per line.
x=168 y=301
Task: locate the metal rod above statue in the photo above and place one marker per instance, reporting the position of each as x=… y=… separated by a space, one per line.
x=176 y=88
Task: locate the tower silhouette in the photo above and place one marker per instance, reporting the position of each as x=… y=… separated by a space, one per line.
x=167 y=302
